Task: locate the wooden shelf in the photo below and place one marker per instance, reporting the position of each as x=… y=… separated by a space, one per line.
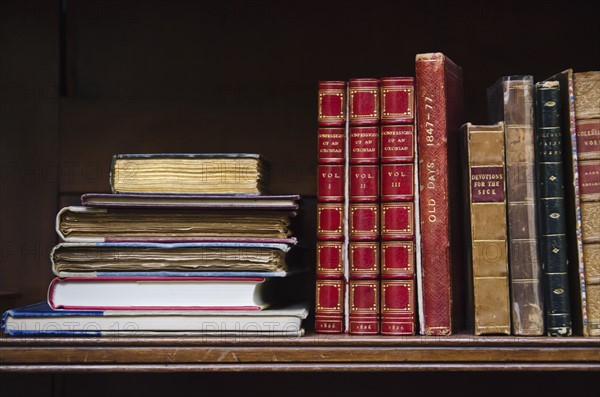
x=309 y=353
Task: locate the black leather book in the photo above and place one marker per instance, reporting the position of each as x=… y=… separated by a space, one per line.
x=551 y=208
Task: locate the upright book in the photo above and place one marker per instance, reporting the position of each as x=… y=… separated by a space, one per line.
x=489 y=303
x=587 y=113
x=399 y=228
x=511 y=100
x=331 y=196
x=551 y=208
x=439 y=117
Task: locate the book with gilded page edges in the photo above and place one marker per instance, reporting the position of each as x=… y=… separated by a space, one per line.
x=554 y=250
x=511 y=100
x=587 y=114
x=238 y=173
x=439 y=103
x=489 y=303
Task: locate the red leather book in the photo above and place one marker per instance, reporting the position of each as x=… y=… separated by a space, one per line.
x=364 y=144
x=397 y=206
x=331 y=207
x=439 y=104
x=364 y=307
x=329 y=313
x=364 y=259
x=364 y=183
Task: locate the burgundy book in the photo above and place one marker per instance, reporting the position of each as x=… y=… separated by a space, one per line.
x=439 y=104
x=363 y=247
x=397 y=206
x=331 y=198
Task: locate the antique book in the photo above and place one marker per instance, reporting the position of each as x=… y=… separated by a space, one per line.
x=587 y=113
x=511 y=100
x=399 y=180
x=489 y=306
x=104 y=224
x=551 y=208
x=41 y=320
x=332 y=187
x=166 y=259
x=439 y=103
x=189 y=173
x=188 y=201
x=164 y=293
x=363 y=205
x=572 y=202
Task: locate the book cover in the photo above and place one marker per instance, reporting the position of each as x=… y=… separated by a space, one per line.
x=363 y=206
x=511 y=100
x=332 y=189
x=587 y=115
x=398 y=171
x=489 y=303
x=439 y=103
x=41 y=320
x=554 y=251
x=167 y=293
x=194 y=201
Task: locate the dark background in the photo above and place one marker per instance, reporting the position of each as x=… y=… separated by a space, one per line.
x=83 y=80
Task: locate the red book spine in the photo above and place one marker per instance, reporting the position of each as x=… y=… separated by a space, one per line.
x=330 y=284
x=439 y=110
x=363 y=248
x=397 y=206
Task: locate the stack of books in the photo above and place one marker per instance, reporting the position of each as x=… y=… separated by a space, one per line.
x=186 y=244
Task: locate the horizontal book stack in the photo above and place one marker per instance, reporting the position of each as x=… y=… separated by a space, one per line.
x=187 y=244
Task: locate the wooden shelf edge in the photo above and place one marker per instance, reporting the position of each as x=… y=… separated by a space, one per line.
x=309 y=367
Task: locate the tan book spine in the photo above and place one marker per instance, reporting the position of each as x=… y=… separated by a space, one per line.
x=587 y=114
x=485 y=182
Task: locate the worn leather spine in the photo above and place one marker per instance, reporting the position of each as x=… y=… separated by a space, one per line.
x=587 y=113
x=511 y=100
x=488 y=253
x=439 y=103
x=551 y=208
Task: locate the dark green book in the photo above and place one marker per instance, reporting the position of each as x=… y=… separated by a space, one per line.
x=551 y=208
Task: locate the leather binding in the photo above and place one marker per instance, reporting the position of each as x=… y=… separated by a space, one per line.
x=331 y=207
x=332 y=144
x=364 y=259
x=364 y=307
x=489 y=306
x=397 y=206
x=439 y=103
x=329 y=306
x=364 y=144
x=551 y=208
x=330 y=187
x=364 y=183
x=364 y=101
x=587 y=114
x=332 y=103
x=511 y=100
x=330 y=259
